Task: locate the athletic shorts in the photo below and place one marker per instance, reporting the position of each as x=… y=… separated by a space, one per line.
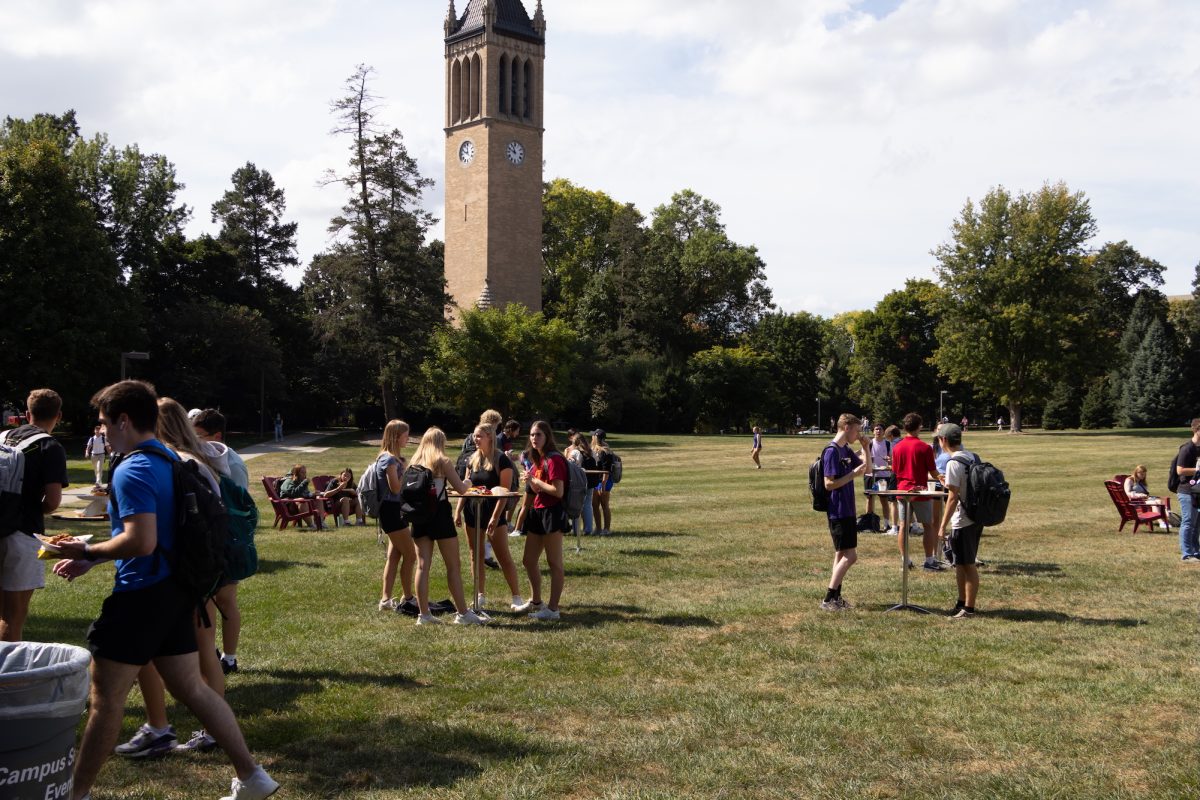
x=391 y=518
x=964 y=545
x=844 y=532
x=485 y=510
x=922 y=511
x=441 y=526
x=542 y=521
x=604 y=486
x=139 y=626
x=20 y=569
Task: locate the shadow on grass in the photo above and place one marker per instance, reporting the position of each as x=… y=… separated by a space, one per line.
x=1029 y=615
x=646 y=534
x=1028 y=568
x=588 y=617
x=269 y=567
x=582 y=571
x=1155 y=433
x=649 y=553
x=65 y=630
x=621 y=445
x=683 y=621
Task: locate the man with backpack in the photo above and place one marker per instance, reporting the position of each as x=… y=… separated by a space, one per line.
x=1186 y=463
x=965 y=533
x=840 y=467
x=42 y=462
x=149 y=615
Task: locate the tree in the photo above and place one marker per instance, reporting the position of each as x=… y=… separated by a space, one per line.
x=1063 y=406
x=251 y=217
x=731 y=384
x=1099 y=405
x=578 y=244
x=793 y=345
x=1016 y=275
x=1150 y=394
x=833 y=375
x=379 y=277
x=516 y=362
x=1121 y=276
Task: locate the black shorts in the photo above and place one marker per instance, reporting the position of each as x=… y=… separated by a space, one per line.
x=964 y=545
x=542 y=521
x=485 y=510
x=139 y=626
x=440 y=526
x=391 y=518
x=844 y=532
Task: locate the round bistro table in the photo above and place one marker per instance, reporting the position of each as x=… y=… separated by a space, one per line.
x=907 y=498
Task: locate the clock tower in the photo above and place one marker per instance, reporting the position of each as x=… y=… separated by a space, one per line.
x=495 y=55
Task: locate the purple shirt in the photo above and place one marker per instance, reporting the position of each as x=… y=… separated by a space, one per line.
x=839 y=461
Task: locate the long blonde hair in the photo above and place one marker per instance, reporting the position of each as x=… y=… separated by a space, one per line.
x=392 y=434
x=432 y=449
x=1142 y=469
x=479 y=461
x=580 y=443
x=176 y=431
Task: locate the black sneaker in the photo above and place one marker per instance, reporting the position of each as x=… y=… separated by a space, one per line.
x=228 y=664
x=491 y=563
x=408 y=607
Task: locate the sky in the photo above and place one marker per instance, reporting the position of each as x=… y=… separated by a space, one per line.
x=840 y=137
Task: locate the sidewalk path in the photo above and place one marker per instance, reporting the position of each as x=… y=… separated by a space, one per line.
x=294 y=443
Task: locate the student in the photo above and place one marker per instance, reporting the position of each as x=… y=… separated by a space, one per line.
x=295 y=487
x=842 y=467
x=1135 y=490
x=964 y=532
x=97 y=450
x=601 y=513
x=1186 y=463
x=146 y=618
x=210 y=427
x=912 y=461
x=278 y=427
x=344 y=492
x=880 y=476
x=508 y=446
x=495 y=420
x=581 y=453
x=21 y=574
x=756 y=446
x=431 y=454
x=401 y=550
x=491 y=468
x=546 y=481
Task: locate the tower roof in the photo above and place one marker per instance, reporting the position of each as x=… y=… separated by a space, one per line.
x=511 y=19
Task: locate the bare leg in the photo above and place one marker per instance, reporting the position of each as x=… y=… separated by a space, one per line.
x=231 y=618
x=182 y=676
x=597 y=519
x=532 y=559
x=968 y=583
x=154 y=695
x=449 y=550
x=843 y=560
x=402 y=555
x=206 y=644
x=604 y=496
x=504 y=558
x=14 y=610
x=424 y=561
x=111 y=683
x=553 y=545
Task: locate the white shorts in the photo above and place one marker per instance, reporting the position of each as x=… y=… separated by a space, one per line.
x=20 y=569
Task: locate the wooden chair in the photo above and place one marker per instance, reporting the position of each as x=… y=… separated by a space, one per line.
x=329 y=506
x=1137 y=512
x=291 y=511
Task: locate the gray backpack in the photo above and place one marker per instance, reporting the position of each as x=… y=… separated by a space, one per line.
x=576 y=489
x=368 y=490
x=12 y=476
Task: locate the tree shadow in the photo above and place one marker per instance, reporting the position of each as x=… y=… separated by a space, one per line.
x=649 y=553
x=1179 y=434
x=269 y=567
x=621 y=444
x=646 y=534
x=585 y=571
x=284 y=688
x=1031 y=615
x=683 y=621
x=1027 y=568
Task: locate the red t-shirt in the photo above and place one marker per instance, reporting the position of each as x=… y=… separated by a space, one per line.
x=912 y=461
x=552 y=469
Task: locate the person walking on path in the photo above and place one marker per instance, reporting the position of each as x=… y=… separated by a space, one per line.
x=147 y=618
x=1187 y=463
x=964 y=533
x=97 y=451
x=278 y=427
x=841 y=468
x=756 y=447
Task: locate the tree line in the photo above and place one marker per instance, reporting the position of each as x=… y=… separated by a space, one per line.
x=651 y=323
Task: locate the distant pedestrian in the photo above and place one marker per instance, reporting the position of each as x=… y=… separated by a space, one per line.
x=841 y=468
x=964 y=422
x=97 y=451
x=999 y=424
x=278 y=427
x=756 y=447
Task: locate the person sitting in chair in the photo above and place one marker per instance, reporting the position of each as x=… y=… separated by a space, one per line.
x=1136 y=491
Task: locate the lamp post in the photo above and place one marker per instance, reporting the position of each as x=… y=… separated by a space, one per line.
x=818 y=412
x=132 y=356
x=941 y=397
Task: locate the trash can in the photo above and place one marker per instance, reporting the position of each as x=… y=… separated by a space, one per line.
x=43 y=691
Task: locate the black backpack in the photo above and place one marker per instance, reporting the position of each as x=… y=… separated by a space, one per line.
x=816 y=482
x=198 y=559
x=418 y=494
x=1173 y=478
x=986 y=494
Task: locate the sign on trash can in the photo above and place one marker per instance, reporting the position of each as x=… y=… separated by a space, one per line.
x=43 y=692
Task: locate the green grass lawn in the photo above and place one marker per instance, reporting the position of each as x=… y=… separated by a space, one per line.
x=692 y=659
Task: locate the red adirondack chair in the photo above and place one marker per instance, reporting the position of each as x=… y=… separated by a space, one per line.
x=1138 y=512
x=328 y=505
x=291 y=511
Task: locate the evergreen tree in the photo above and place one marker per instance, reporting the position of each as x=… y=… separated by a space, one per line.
x=1099 y=407
x=1150 y=394
x=1062 y=409
x=252 y=226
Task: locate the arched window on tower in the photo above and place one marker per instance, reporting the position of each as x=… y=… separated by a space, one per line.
x=465 y=111
x=514 y=99
x=476 y=85
x=527 y=91
x=504 y=84
x=455 y=92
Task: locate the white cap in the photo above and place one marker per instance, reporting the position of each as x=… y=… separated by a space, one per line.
x=195 y=412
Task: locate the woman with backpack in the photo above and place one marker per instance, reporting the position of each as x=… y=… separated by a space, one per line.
x=490 y=468
x=581 y=453
x=600 y=496
x=546 y=520
x=437 y=525
x=401 y=551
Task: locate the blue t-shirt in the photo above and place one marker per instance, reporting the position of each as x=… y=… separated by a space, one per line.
x=838 y=461
x=143 y=484
x=382 y=463
x=941 y=459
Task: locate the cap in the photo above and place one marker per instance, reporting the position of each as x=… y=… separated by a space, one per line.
x=195 y=412
x=599 y=433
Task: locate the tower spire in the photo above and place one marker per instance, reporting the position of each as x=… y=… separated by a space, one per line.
x=539 y=20
x=451 y=19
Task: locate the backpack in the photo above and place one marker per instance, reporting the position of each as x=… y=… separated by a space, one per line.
x=12 y=477
x=464 y=456
x=418 y=494
x=201 y=531
x=1173 y=478
x=575 y=492
x=816 y=482
x=986 y=494
x=368 y=490
x=615 y=474
x=241 y=556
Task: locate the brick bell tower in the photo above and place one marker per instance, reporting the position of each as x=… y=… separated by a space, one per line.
x=495 y=54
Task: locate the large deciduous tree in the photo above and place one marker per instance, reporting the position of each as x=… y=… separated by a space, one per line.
x=1017 y=284
x=732 y=385
x=793 y=345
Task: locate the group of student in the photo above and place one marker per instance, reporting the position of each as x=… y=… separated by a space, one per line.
x=907 y=465
x=488 y=460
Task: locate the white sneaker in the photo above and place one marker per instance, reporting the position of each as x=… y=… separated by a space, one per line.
x=480 y=601
x=917 y=529
x=514 y=534
x=468 y=617
x=388 y=604
x=517 y=602
x=544 y=615
x=528 y=605
x=428 y=619
x=258 y=786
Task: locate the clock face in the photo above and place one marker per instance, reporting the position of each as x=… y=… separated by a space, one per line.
x=466 y=152
x=515 y=152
